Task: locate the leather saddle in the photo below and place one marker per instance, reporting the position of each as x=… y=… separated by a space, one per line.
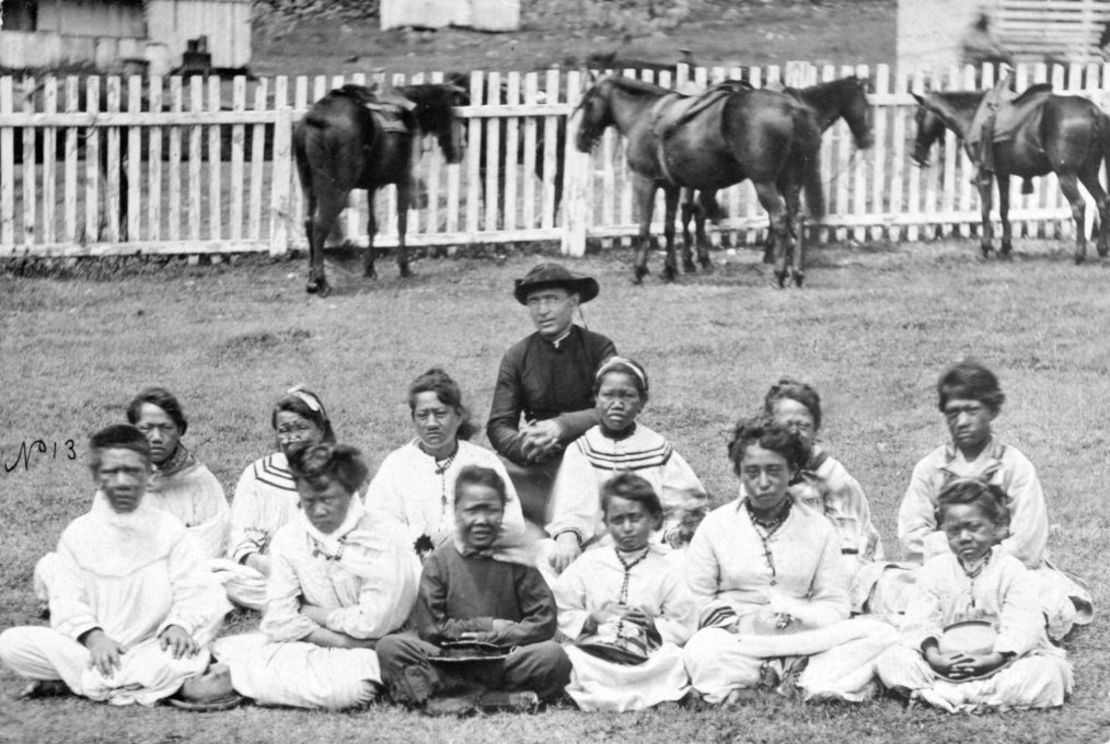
x=1013 y=113
x=390 y=109
x=675 y=110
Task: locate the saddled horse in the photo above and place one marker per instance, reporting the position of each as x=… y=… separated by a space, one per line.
x=1065 y=135
x=845 y=98
x=348 y=140
x=708 y=143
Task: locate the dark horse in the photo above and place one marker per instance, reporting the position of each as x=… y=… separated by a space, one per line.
x=1065 y=135
x=348 y=140
x=708 y=143
x=839 y=99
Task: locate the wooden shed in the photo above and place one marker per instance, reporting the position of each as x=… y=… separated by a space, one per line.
x=44 y=33
x=930 y=31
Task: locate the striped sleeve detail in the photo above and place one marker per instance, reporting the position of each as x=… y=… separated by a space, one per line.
x=654 y=457
x=274 y=475
x=717 y=616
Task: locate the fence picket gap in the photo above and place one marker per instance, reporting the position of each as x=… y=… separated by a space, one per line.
x=30 y=187
x=134 y=161
x=196 y=133
x=550 y=153
x=238 y=147
x=113 y=165
x=71 y=195
x=7 y=165
x=281 y=177
x=258 y=166
x=49 y=164
x=154 y=192
x=215 y=163
x=92 y=164
x=531 y=93
x=176 y=104
x=512 y=150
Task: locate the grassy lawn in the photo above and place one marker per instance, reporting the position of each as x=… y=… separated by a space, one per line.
x=872 y=330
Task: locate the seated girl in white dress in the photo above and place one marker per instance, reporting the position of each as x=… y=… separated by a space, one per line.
x=415 y=484
x=625 y=599
x=618 y=443
x=824 y=484
x=133 y=604
x=976 y=588
x=340 y=580
x=266 y=496
x=772 y=587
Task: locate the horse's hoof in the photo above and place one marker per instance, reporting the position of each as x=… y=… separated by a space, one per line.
x=641 y=272
x=780 y=279
x=689 y=267
x=706 y=265
x=799 y=277
x=406 y=272
x=1079 y=260
x=325 y=289
x=369 y=273
x=318 y=287
x=312 y=287
x=985 y=250
x=670 y=273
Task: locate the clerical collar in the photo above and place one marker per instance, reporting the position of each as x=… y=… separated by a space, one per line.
x=561 y=338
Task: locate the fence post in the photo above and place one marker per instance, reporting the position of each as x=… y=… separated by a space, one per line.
x=281 y=180
x=7 y=166
x=576 y=191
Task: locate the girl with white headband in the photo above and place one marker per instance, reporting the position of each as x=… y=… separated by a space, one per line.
x=266 y=496
x=617 y=444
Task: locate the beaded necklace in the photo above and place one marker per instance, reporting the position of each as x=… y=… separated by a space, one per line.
x=973 y=573
x=765 y=529
x=441 y=468
x=628 y=566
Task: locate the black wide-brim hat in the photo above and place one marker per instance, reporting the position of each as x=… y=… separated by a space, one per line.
x=545 y=275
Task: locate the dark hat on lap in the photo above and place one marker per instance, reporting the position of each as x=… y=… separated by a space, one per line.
x=547 y=275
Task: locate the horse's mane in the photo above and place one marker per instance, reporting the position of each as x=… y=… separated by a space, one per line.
x=959 y=100
x=827 y=95
x=635 y=87
x=435 y=104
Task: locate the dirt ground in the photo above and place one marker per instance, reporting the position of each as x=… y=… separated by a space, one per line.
x=737 y=34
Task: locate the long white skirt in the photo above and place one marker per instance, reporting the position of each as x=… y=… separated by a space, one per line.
x=147 y=672
x=841 y=662
x=299 y=674
x=1041 y=680
x=597 y=684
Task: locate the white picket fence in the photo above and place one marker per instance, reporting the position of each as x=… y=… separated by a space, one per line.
x=205 y=166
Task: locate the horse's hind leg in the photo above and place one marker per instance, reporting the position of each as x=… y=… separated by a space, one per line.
x=404 y=198
x=1102 y=204
x=644 y=191
x=707 y=206
x=1069 y=185
x=792 y=197
x=318 y=226
x=1007 y=249
x=368 y=269
x=772 y=201
x=689 y=213
x=986 y=183
x=670 y=200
